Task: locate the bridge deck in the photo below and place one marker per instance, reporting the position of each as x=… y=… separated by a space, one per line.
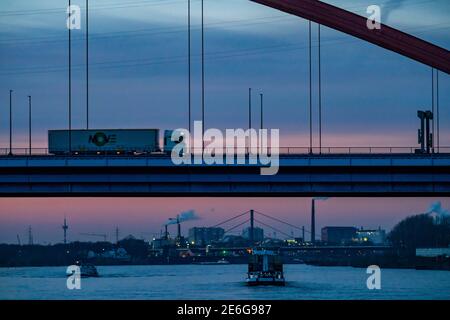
x=328 y=175
x=284 y=160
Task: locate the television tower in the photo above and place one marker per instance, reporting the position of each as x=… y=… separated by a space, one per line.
x=65 y=227
x=30 y=236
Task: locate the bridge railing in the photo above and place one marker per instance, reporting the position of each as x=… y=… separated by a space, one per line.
x=239 y=151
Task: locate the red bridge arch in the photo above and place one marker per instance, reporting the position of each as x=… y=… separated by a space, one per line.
x=355 y=25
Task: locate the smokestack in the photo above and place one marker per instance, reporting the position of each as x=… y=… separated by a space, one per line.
x=313 y=221
x=179 y=228
x=166 y=234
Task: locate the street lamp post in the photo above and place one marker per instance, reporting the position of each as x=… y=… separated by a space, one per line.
x=249 y=108
x=10 y=122
x=261 y=98
x=29 y=125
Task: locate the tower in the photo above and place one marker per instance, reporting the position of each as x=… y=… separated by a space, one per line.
x=117 y=235
x=30 y=236
x=252 y=227
x=65 y=227
x=178 y=228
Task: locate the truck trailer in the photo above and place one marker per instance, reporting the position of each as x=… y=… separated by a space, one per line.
x=103 y=141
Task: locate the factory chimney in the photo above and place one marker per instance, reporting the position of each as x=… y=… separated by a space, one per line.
x=313 y=221
x=166 y=233
x=178 y=228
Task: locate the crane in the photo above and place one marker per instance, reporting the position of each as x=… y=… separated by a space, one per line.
x=104 y=236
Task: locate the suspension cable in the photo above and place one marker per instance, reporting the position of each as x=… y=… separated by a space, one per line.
x=275 y=229
x=278 y=220
x=231 y=219
x=236 y=226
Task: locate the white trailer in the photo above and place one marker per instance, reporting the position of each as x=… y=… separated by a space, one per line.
x=100 y=141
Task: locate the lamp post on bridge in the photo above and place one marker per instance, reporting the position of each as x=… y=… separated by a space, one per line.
x=29 y=125
x=10 y=122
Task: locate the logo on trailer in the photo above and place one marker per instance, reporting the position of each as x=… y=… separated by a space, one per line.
x=100 y=139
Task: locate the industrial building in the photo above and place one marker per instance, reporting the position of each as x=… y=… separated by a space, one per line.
x=202 y=236
x=338 y=235
x=377 y=237
x=258 y=234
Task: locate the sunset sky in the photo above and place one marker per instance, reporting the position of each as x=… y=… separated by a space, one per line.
x=138 y=79
x=144 y=217
x=138 y=74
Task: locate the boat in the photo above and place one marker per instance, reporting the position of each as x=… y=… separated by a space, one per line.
x=86 y=270
x=265 y=267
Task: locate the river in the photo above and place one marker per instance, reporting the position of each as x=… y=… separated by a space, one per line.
x=221 y=282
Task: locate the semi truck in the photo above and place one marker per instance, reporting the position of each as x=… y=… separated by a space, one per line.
x=101 y=141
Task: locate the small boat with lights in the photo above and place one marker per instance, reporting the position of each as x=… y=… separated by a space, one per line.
x=87 y=270
x=265 y=267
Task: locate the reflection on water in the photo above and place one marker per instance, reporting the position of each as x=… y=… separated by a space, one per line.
x=221 y=282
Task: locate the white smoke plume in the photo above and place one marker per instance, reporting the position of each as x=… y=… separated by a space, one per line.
x=436 y=207
x=437 y=212
x=184 y=216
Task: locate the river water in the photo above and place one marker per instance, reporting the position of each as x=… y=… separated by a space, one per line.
x=221 y=282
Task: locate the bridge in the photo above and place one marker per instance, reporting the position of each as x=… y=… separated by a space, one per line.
x=305 y=248
x=314 y=174
x=156 y=176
